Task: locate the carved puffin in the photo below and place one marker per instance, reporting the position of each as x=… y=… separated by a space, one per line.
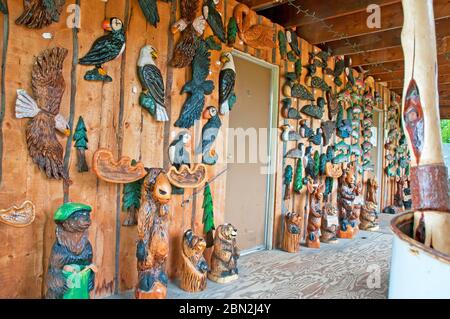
x=150 y=11
x=178 y=155
x=105 y=49
x=152 y=97
x=209 y=134
x=227 y=80
x=214 y=19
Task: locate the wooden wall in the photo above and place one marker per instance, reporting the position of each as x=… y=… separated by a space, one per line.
x=115 y=121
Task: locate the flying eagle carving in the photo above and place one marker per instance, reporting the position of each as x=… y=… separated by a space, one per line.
x=38 y=14
x=48 y=88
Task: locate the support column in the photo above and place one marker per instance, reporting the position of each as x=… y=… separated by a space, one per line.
x=421 y=121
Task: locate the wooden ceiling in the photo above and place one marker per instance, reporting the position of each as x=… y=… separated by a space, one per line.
x=341 y=25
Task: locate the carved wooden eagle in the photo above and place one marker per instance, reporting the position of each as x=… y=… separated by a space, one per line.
x=40 y=13
x=48 y=88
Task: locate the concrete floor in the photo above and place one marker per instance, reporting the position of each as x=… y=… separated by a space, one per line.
x=357 y=268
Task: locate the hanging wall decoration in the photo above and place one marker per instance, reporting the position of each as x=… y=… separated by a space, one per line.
x=257 y=36
x=333 y=105
x=131 y=200
x=282 y=43
x=212 y=44
x=152 y=95
x=315 y=214
x=305 y=130
x=227 y=80
x=208 y=216
x=292 y=232
x=18 y=217
x=194 y=267
x=214 y=19
x=3 y=8
x=225 y=255
x=288 y=174
x=296 y=152
x=369 y=211
x=150 y=10
x=317 y=83
x=328 y=129
x=288 y=111
x=106 y=48
x=309 y=169
x=48 y=88
x=313 y=110
x=186 y=177
x=291 y=36
x=38 y=14
x=316 y=139
x=197 y=88
x=298 y=180
x=329 y=224
x=71 y=256
x=118 y=172
x=289 y=134
x=81 y=144
x=191 y=28
x=232 y=30
x=210 y=132
x=339 y=67
x=292 y=88
x=178 y=154
x=153 y=236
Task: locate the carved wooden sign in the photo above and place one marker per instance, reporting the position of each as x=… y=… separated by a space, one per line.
x=118 y=172
x=21 y=216
x=187 y=177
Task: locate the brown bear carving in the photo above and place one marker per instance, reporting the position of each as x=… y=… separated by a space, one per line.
x=225 y=255
x=292 y=232
x=195 y=268
x=153 y=236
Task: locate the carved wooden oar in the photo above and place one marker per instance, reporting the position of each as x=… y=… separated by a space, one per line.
x=18 y=216
x=421 y=119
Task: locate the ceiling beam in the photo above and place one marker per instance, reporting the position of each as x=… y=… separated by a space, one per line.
x=384 y=39
x=378 y=56
x=286 y=14
x=354 y=25
x=262 y=4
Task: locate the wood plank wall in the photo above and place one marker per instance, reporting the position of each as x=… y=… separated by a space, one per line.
x=115 y=121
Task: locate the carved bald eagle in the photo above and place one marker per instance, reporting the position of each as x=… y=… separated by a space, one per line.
x=150 y=10
x=152 y=97
x=38 y=14
x=292 y=39
x=227 y=80
x=48 y=88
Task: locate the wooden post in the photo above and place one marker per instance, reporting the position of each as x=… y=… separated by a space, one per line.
x=421 y=121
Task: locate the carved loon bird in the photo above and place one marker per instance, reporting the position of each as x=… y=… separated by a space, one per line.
x=152 y=97
x=105 y=49
x=150 y=10
x=209 y=134
x=227 y=80
x=214 y=19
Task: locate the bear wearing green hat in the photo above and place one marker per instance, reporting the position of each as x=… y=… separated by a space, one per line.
x=70 y=272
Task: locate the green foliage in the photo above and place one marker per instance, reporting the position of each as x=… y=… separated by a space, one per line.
x=316 y=163
x=288 y=172
x=232 y=31
x=208 y=210
x=131 y=198
x=445 y=131
x=298 y=182
x=80 y=136
x=282 y=44
x=212 y=44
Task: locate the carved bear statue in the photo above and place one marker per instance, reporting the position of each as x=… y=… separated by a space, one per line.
x=348 y=191
x=225 y=255
x=330 y=224
x=70 y=272
x=195 y=268
x=153 y=236
x=292 y=232
x=369 y=212
x=315 y=214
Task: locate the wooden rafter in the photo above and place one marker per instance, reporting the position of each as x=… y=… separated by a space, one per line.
x=262 y=4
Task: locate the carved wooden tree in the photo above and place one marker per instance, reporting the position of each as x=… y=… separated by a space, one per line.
x=208 y=216
x=131 y=201
x=81 y=144
x=420 y=118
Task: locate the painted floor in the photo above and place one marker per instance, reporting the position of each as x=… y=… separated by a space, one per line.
x=357 y=268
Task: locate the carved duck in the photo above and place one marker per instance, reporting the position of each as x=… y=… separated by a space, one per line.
x=152 y=97
x=227 y=80
x=344 y=128
x=316 y=139
x=150 y=10
x=313 y=110
x=214 y=19
x=288 y=111
x=289 y=134
x=257 y=36
x=105 y=49
x=296 y=152
x=305 y=130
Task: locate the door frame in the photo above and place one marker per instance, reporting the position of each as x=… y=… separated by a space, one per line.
x=272 y=149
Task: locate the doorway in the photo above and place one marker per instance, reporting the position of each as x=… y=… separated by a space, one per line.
x=249 y=203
